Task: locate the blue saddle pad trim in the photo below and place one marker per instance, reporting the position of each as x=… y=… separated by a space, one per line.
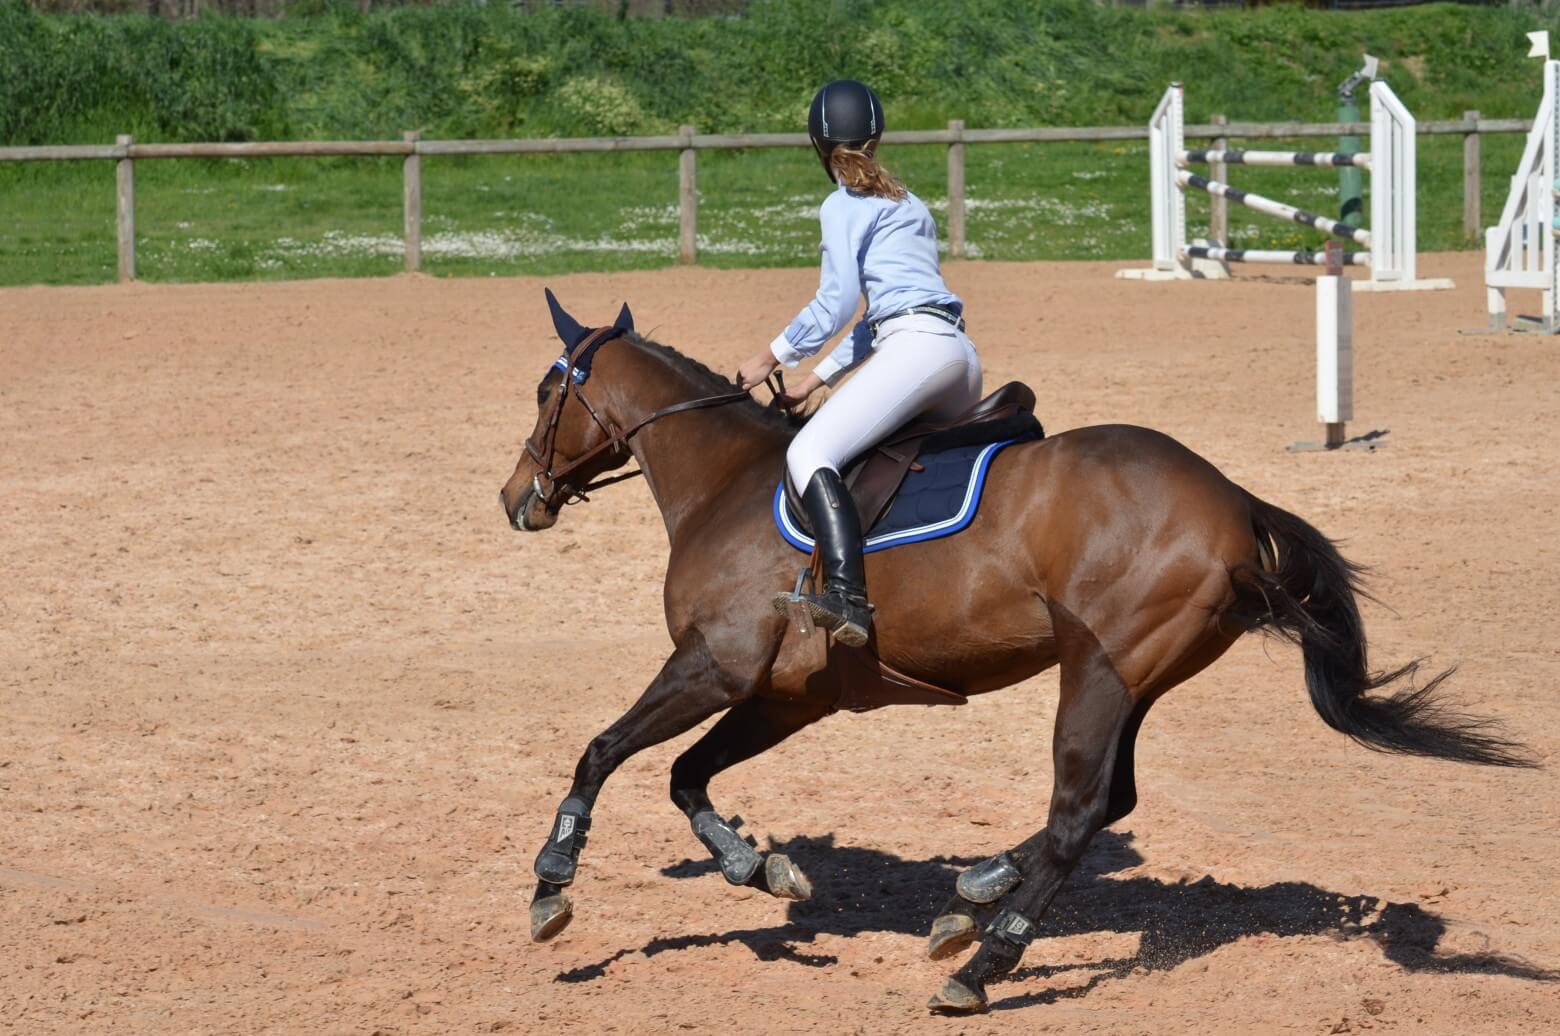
x=933 y=503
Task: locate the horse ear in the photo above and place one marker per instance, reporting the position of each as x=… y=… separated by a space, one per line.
x=625 y=319
x=569 y=329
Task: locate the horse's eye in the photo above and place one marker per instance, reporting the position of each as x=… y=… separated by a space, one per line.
x=541 y=394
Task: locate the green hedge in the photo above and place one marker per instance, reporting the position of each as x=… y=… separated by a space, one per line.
x=489 y=70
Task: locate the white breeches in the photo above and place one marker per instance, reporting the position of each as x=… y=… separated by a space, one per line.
x=920 y=366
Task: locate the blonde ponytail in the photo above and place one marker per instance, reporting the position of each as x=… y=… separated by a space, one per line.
x=859 y=170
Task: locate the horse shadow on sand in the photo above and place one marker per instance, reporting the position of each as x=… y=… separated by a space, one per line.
x=864 y=890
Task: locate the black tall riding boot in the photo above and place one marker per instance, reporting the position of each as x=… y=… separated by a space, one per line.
x=842 y=608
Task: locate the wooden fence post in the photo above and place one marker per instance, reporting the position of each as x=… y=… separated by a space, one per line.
x=1471 y=184
x=956 y=189
x=1218 y=207
x=411 y=202
x=125 y=206
x=687 y=199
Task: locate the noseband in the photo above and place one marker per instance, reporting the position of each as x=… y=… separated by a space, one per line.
x=616 y=438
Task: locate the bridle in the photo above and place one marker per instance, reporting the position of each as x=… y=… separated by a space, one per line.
x=575 y=364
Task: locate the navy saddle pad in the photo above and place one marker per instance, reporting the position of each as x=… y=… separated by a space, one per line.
x=938 y=501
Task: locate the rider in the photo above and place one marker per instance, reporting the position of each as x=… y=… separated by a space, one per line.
x=879 y=241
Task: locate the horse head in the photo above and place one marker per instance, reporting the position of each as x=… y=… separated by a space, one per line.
x=573 y=441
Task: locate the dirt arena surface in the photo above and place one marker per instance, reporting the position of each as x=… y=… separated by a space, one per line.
x=287 y=706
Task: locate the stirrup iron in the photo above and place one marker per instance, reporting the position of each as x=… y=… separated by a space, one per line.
x=794 y=605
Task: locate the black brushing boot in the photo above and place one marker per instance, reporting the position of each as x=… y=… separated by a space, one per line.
x=842 y=608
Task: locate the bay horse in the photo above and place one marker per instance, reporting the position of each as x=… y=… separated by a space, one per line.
x=1113 y=552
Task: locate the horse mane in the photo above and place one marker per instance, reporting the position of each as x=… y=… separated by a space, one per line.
x=717 y=384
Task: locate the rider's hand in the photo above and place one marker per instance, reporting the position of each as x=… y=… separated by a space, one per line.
x=754 y=371
x=795 y=396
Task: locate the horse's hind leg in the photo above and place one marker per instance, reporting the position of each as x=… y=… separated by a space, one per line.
x=1094 y=712
x=1097 y=723
x=690 y=688
x=751 y=727
x=960 y=921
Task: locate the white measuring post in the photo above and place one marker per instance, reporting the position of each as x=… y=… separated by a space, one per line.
x=1334 y=351
x=1335 y=360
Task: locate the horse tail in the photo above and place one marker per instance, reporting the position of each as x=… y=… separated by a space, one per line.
x=1303 y=590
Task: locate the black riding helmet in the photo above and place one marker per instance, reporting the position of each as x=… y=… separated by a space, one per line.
x=843 y=112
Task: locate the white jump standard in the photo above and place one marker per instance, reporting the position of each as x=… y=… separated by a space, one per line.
x=1520 y=251
x=1390 y=240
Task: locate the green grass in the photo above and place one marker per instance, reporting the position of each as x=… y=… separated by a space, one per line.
x=489 y=70
x=297 y=218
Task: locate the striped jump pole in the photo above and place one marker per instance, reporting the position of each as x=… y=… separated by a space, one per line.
x=1358 y=235
x=1388 y=248
x=1256 y=255
x=1358 y=159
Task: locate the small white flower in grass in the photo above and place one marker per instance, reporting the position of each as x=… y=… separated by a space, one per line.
x=730 y=246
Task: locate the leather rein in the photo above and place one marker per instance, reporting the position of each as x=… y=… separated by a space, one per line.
x=617 y=438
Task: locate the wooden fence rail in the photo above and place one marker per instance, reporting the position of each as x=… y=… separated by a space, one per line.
x=124 y=152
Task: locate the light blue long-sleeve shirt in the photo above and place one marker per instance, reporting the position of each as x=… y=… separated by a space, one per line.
x=877 y=247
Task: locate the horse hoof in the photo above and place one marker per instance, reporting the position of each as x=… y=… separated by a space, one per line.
x=951 y=934
x=550 y=916
x=785 y=879
x=957 y=998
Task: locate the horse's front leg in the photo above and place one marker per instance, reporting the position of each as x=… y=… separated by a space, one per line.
x=752 y=727
x=690 y=688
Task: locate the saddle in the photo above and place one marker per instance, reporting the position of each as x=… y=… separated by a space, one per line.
x=875 y=477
